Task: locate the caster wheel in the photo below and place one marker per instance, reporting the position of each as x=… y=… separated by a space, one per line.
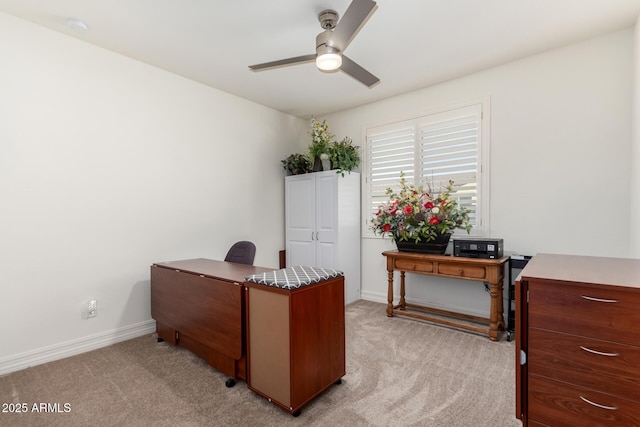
x=339 y=381
x=230 y=382
x=297 y=413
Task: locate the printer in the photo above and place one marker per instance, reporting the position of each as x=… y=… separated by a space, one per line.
x=478 y=247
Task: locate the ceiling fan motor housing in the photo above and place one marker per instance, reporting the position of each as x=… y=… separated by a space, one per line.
x=322 y=41
x=328 y=19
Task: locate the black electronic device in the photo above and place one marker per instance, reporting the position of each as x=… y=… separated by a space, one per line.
x=479 y=247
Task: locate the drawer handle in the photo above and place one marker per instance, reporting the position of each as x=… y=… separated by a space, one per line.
x=610 y=408
x=600 y=353
x=598 y=299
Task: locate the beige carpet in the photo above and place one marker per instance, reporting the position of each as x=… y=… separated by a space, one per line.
x=400 y=372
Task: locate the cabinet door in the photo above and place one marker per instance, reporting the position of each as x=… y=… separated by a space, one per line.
x=300 y=220
x=326 y=208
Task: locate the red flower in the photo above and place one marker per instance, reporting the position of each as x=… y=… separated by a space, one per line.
x=393 y=212
x=434 y=220
x=407 y=210
x=386 y=227
x=428 y=205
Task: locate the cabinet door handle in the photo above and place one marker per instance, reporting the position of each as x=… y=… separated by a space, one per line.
x=312 y=235
x=316 y=235
x=610 y=408
x=600 y=353
x=598 y=299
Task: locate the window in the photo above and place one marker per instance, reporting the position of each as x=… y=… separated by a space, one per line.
x=434 y=148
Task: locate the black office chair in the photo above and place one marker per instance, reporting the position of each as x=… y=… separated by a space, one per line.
x=242 y=253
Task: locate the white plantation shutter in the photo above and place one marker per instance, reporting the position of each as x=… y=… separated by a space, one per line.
x=430 y=149
x=390 y=150
x=448 y=150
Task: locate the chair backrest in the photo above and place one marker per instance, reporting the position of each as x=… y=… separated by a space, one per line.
x=242 y=253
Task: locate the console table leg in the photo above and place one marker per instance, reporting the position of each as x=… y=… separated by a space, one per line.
x=402 y=302
x=493 y=315
x=501 y=324
x=390 y=294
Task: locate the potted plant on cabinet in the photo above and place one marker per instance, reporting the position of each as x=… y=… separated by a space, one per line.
x=344 y=156
x=296 y=164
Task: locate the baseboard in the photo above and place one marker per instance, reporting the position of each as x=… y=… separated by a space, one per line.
x=378 y=297
x=73 y=347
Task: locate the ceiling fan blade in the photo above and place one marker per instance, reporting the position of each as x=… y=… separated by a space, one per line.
x=283 y=62
x=358 y=73
x=357 y=14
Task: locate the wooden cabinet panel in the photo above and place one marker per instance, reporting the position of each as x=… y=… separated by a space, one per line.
x=198 y=304
x=610 y=367
x=563 y=405
x=268 y=341
x=208 y=310
x=604 y=312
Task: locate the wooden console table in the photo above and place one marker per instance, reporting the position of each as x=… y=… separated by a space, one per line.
x=489 y=271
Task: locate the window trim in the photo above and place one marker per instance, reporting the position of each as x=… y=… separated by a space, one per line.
x=483 y=207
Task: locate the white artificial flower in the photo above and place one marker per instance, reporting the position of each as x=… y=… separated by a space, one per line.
x=435 y=210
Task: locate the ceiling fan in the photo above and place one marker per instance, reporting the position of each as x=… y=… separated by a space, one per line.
x=332 y=42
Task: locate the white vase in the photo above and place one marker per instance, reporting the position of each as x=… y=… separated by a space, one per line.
x=326 y=161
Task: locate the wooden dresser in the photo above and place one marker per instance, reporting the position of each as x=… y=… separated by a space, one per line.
x=578 y=341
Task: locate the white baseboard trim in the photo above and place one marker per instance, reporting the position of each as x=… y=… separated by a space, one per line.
x=378 y=297
x=73 y=347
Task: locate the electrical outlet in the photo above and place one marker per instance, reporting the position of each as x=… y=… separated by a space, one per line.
x=92 y=308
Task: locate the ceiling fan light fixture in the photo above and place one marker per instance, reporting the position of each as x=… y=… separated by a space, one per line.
x=329 y=61
x=328 y=58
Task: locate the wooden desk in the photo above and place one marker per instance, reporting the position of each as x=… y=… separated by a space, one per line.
x=489 y=271
x=198 y=304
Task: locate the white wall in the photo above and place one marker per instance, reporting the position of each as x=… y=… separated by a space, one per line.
x=108 y=165
x=635 y=151
x=560 y=169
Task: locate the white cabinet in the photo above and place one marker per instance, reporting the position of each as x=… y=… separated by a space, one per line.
x=322 y=224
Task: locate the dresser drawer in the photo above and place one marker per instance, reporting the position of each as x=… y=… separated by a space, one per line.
x=602 y=312
x=408 y=265
x=608 y=367
x=558 y=404
x=456 y=270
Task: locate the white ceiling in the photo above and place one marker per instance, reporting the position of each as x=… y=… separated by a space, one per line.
x=408 y=44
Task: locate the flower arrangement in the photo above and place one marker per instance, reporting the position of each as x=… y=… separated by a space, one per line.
x=321 y=139
x=344 y=156
x=413 y=214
